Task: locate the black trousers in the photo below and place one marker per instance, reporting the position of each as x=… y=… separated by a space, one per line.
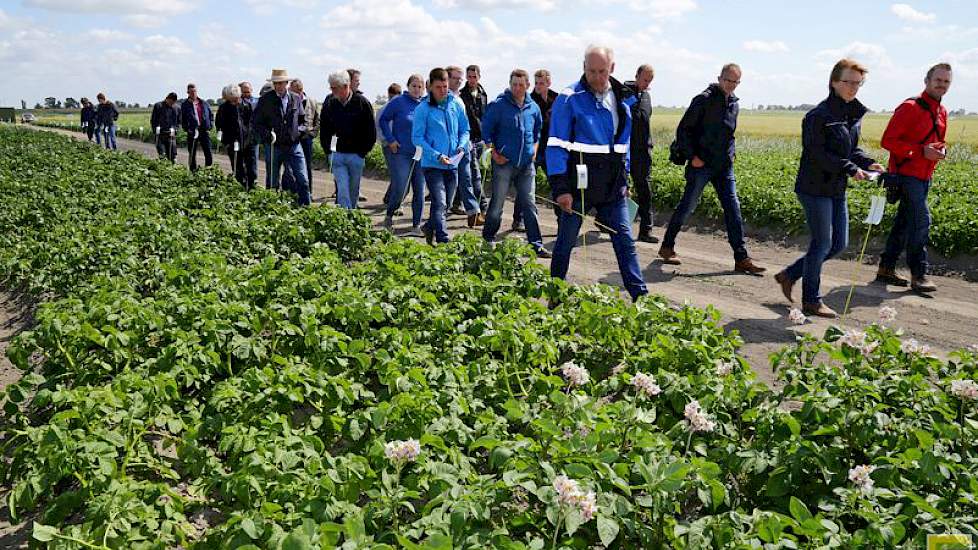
x=641 y=171
x=245 y=166
x=203 y=143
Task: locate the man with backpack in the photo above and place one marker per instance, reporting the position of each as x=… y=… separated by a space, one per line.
x=705 y=145
x=915 y=139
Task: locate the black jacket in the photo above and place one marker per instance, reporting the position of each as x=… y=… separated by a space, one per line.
x=106 y=114
x=475 y=109
x=830 y=151
x=353 y=123
x=707 y=128
x=234 y=123
x=164 y=117
x=268 y=117
x=88 y=114
x=642 y=142
x=545 y=107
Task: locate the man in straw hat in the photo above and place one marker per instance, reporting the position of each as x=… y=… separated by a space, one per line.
x=278 y=116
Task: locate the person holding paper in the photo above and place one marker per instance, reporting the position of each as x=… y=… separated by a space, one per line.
x=396 y=124
x=441 y=129
x=349 y=117
x=830 y=156
x=164 y=121
x=233 y=123
x=915 y=139
x=512 y=126
x=587 y=163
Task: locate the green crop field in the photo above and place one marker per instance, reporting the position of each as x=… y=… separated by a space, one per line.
x=213 y=368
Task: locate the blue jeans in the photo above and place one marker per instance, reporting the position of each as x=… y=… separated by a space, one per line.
x=110 y=136
x=726 y=187
x=306 y=144
x=347 y=170
x=295 y=163
x=439 y=180
x=524 y=179
x=464 y=185
x=400 y=166
x=615 y=215
x=828 y=222
x=911 y=228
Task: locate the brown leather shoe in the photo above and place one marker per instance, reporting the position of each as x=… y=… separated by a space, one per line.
x=748 y=266
x=786 y=285
x=889 y=277
x=480 y=219
x=669 y=256
x=922 y=284
x=819 y=310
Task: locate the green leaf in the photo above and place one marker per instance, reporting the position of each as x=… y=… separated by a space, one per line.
x=607 y=530
x=798 y=509
x=250 y=529
x=296 y=541
x=43 y=533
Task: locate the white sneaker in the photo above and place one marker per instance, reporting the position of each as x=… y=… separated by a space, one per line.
x=416 y=231
x=388 y=223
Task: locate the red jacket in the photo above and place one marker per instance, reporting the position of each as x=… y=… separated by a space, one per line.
x=908 y=127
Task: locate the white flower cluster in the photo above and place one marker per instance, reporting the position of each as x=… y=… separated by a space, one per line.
x=696 y=421
x=575 y=375
x=619 y=368
x=856 y=339
x=796 y=316
x=887 y=314
x=964 y=389
x=646 y=384
x=569 y=493
x=859 y=476
x=913 y=347
x=724 y=367
x=401 y=452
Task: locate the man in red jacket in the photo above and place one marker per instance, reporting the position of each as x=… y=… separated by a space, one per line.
x=915 y=139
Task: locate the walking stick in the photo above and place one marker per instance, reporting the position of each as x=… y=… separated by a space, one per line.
x=193 y=148
x=234 y=161
x=877 y=206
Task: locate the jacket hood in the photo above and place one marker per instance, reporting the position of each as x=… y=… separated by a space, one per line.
x=507 y=96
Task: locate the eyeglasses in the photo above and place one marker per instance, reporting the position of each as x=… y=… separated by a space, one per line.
x=856 y=83
x=731 y=81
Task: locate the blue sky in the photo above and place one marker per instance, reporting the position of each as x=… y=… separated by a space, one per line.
x=137 y=50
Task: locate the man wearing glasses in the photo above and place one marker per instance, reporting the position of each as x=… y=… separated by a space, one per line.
x=705 y=137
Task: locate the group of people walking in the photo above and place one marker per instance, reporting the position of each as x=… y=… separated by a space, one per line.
x=99 y=121
x=593 y=140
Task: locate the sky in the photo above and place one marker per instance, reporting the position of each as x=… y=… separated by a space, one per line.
x=138 y=50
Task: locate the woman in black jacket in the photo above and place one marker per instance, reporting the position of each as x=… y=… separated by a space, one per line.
x=233 y=123
x=830 y=156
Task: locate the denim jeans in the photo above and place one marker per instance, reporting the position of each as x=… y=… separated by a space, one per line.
x=504 y=175
x=390 y=170
x=291 y=158
x=110 y=136
x=306 y=144
x=911 y=228
x=463 y=189
x=347 y=170
x=203 y=142
x=615 y=215
x=726 y=187
x=828 y=222
x=400 y=164
x=439 y=180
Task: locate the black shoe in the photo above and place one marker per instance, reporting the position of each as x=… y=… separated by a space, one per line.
x=361 y=198
x=457 y=210
x=544 y=253
x=646 y=236
x=429 y=235
x=922 y=285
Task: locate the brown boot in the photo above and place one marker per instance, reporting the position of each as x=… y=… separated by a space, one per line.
x=786 y=285
x=669 y=256
x=819 y=310
x=889 y=276
x=749 y=267
x=922 y=284
x=480 y=219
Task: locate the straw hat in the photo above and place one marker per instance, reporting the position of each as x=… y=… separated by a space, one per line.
x=279 y=75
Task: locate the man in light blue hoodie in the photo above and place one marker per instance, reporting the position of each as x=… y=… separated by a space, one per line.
x=441 y=128
x=512 y=126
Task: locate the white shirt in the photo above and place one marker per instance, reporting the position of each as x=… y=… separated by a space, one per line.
x=607 y=100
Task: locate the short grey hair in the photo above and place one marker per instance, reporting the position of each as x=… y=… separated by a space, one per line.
x=339 y=78
x=230 y=91
x=603 y=51
x=297 y=83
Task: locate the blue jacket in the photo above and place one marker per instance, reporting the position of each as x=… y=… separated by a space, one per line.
x=830 y=150
x=440 y=129
x=396 y=121
x=188 y=117
x=513 y=130
x=582 y=131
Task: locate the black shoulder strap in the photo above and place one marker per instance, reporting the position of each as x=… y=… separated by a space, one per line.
x=933 y=119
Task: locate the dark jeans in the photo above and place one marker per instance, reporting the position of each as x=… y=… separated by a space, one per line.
x=523 y=179
x=439 y=181
x=468 y=192
x=911 y=228
x=641 y=170
x=828 y=222
x=726 y=187
x=306 y=144
x=244 y=165
x=615 y=215
x=204 y=143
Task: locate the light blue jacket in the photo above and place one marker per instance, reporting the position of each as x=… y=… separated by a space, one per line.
x=440 y=129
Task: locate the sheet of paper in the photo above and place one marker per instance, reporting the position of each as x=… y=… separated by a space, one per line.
x=456 y=158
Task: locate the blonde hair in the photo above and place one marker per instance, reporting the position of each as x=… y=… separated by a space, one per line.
x=843 y=64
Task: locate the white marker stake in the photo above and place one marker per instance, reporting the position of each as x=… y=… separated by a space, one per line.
x=219 y=135
x=333 y=144
x=582 y=177
x=234 y=162
x=157 y=130
x=418 y=152
x=274 y=173
x=877 y=206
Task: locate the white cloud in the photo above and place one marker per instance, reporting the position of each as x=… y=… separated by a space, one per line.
x=963 y=63
x=143 y=21
x=107 y=35
x=121 y=7
x=761 y=46
x=269 y=7
x=217 y=39
x=662 y=9
x=873 y=56
x=908 y=13
x=481 y=5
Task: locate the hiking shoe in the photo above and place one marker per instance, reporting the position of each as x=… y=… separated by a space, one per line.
x=889 y=277
x=786 y=285
x=669 y=256
x=748 y=266
x=646 y=236
x=922 y=284
x=544 y=253
x=416 y=231
x=388 y=223
x=819 y=310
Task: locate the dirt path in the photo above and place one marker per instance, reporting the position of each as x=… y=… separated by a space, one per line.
x=752 y=306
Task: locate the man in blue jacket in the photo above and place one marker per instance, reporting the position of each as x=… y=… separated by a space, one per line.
x=511 y=127
x=587 y=157
x=197 y=121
